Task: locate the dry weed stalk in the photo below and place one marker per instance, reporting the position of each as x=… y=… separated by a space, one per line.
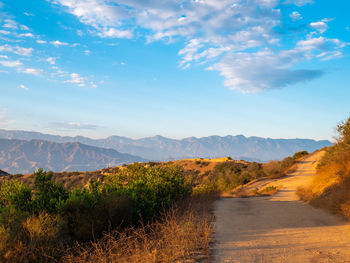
x=183 y=235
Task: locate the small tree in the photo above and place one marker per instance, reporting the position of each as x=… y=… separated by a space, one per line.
x=343 y=129
x=48 y=195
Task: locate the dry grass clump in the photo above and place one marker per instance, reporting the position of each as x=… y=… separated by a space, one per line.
x=182 y=235
x=39 y=239
x=277 y=169
x=330 y=188
x=268 y=190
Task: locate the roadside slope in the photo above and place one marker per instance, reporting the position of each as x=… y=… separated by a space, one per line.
x=280 y=228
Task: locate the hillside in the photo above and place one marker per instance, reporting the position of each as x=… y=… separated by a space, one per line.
x=330 y=188
x=159 y=148
x=19 y=156
x=2 y=173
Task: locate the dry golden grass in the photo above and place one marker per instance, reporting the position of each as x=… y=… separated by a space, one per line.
x=183 y=235
x=330 y=188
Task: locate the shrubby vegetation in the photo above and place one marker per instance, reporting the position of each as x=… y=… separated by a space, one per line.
x=182 y=234
x=119 y=213
x=300 y=154
x=36 y=223
x=331 y=186
x=277 y=169
x=228 y=175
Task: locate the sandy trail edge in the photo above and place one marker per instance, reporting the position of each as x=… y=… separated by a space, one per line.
x=280 y=228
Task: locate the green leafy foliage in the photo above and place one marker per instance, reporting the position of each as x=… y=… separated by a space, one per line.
x=48 y=195
x=229 y=175
x=15 y=194
x=150 y=189
x=300 y=154
x=133 y=194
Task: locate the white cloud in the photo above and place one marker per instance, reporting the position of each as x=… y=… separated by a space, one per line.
x=58 y=43
x=26 y=35
x=10 y=24
x=319 y=26
x=51 y=60
x=221 y=34
x=295 y=16
x=39 y=41
x=23 y=87
x=10 y=63
x=28 y=14
x=23 y=27
x=77 y=79
x=17 y=50
x=87 y=52
x=33 y=71
x=263 y=70
x=115 y=33
x=321 y=44
x=101 y=15
x=5 y=32
x=80 y=81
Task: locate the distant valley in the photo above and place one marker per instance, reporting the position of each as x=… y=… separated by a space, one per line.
x=20 y=156
x=73 y=156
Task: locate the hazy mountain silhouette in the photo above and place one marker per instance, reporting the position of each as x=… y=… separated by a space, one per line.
x=2 y=173
x=161 y=148
x=20 y=156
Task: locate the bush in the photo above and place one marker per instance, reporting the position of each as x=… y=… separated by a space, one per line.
x=15 y=194
x=228 y=175
x=49 y=195
x=300 y=154
x=91 y=211
x=150 y=189
x=50 y=211
x=276 y=169
x=343 y=129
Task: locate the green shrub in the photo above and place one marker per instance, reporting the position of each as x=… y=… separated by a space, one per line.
x=300 y=154
x=228 y=175
x=48 y=195
x=15 y=194
x=91 y=211
x=150 y=189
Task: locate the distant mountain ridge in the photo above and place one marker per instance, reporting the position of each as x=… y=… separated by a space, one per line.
x=21 y=156
x=2 y=173
x=159 y=148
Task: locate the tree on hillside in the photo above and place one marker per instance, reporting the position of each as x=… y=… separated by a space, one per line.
x=343 y=129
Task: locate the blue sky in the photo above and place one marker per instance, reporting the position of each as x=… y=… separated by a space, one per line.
x=136 y=68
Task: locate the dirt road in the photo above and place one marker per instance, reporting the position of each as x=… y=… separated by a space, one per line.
x=280 y=228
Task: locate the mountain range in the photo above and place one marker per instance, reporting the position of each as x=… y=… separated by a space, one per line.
x=159 y=148
x=2 y=173
x=20 y=156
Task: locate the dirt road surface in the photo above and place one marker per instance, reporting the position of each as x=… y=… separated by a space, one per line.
x=280 y=228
